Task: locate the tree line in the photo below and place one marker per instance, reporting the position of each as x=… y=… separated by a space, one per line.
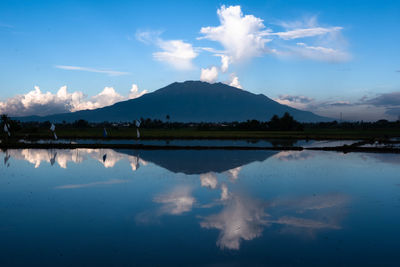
x=284 y=123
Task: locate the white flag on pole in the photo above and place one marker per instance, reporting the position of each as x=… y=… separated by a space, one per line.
x=6 y=129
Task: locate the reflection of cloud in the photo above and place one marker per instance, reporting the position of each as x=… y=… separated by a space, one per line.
x=233 y=174
x=176 y=202
x=208 y=180
x=73 y=186
x=293 y=155
x=240 y=219
x=63 y=156
x=244 y=218
x=385 y=158
x=304 y=223
x=224 y=192
x=318 y=202
x=319 y=212
x=36 y=156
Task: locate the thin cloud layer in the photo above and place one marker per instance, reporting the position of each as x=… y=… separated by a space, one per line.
x=386 y=105
x=320 y=53
x=41 y=103
x=77 y=68
x=176 y=53
x=303 y=33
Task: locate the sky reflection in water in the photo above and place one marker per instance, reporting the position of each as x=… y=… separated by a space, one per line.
x=103 y=206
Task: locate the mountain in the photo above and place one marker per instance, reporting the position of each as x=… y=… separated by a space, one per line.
x=190 y=101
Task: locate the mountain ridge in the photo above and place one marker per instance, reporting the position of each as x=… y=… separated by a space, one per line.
x=189 y=101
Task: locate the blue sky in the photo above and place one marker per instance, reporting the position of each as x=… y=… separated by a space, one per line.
x=324 y=56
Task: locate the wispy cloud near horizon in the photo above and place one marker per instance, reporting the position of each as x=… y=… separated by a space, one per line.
x=78 y=68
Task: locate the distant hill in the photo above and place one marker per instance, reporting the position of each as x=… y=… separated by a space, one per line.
x=190 y=101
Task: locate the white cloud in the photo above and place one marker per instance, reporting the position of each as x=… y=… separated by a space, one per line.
x=241 y=36
x=134 y=92
x=108 y=72
x=225 y=60
x=245 y=37
x=41 y=103
x=209 y=75
x=320 y=53
x=175 y=53
x=308 y=32
x=235 y=81
x=295 y=101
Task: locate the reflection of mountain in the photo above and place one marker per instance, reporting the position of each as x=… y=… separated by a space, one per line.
x=200 y=161
x=184 y=161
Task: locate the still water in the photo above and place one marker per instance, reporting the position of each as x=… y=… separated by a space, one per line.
x=104 y=207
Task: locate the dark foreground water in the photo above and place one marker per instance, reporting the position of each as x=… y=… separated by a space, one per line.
x=193 y=208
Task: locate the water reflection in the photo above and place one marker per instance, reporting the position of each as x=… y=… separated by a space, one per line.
x=107 y=157
x=177 y=161
x=237 y=201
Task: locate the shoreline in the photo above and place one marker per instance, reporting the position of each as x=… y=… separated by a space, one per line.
x=344 y=148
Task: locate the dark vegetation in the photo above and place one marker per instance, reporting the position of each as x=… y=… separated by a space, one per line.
x=276 y=127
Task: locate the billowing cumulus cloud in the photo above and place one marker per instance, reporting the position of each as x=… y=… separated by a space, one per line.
x=235 y=81
x=41 y=103
x=209 y=75
x=242 y=36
